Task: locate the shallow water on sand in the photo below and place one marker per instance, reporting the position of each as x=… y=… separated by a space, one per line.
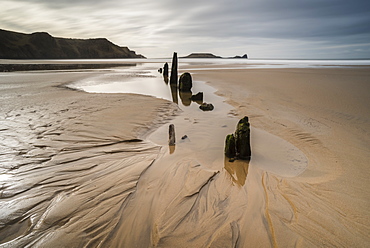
x=70 y=177
x=205 y=131
x=192 y=194
x=86 y=170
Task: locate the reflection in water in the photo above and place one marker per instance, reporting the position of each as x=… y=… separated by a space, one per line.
x=174 y=93
x=185 y=97
x=172 y=149
x=238 y=170
x=165 y=78
x=142 y=81
x=199 y=102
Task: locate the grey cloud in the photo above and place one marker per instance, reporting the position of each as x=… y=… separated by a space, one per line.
x=292 y=18
x=232 y=25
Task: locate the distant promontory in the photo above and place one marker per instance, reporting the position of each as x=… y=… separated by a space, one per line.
x=202 y=56
x=212 y=56
x=41 y=45
x=245 y=56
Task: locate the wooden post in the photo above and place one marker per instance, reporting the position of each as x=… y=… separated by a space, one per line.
x=174 y=75
x=242 y=139
x=171 y=135
x=165 y=70
x=238 y=144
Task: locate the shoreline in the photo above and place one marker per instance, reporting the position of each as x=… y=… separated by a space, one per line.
x=49 y=67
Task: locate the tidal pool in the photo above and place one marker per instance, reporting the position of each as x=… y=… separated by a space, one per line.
x=205 y=131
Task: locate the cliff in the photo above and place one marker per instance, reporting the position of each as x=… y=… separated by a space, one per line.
x=42 y=45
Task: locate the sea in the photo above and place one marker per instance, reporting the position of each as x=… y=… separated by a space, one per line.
x=141 y=76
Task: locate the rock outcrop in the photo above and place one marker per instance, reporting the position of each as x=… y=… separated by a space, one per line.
x=42 y=45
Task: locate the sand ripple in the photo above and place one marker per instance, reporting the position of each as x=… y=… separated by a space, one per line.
x=68 y=163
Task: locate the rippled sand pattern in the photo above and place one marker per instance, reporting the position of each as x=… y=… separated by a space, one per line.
x=69 y=161
x=78 y=169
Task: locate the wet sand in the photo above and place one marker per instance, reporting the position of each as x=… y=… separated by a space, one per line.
x=69 y=159
x=325 y=113
x=91 y=170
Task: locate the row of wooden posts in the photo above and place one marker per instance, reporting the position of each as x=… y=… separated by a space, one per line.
x=237 y=145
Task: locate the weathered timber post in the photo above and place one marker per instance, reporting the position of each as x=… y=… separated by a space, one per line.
x=185 y=82
x=171 y=135
x=238 y=144
x=165 y=70
x=197 y=97
x=174 y=75
x=242 y=139
x=230 y=150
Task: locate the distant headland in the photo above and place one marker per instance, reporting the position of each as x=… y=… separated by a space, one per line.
x=202 y=56
x=41 y=45
x=211 y=56
x=245 y=56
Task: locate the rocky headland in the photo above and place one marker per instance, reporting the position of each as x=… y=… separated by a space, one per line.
x=211 y=56
x=245 y=56
x=202 y=56
x=41 y=45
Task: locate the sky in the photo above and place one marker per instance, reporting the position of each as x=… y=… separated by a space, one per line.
x=277 y=29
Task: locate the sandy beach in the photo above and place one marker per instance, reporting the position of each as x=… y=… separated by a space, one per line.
x=94 y=170
x=325 y=113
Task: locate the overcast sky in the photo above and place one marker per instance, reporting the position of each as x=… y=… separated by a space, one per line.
x=156 y=28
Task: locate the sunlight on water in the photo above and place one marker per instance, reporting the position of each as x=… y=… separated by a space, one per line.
x=146 y=86
x=143 y=80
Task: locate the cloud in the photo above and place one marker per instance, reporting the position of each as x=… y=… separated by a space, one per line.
x=263 y=28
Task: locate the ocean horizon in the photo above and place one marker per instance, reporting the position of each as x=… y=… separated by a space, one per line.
x=241 y=63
